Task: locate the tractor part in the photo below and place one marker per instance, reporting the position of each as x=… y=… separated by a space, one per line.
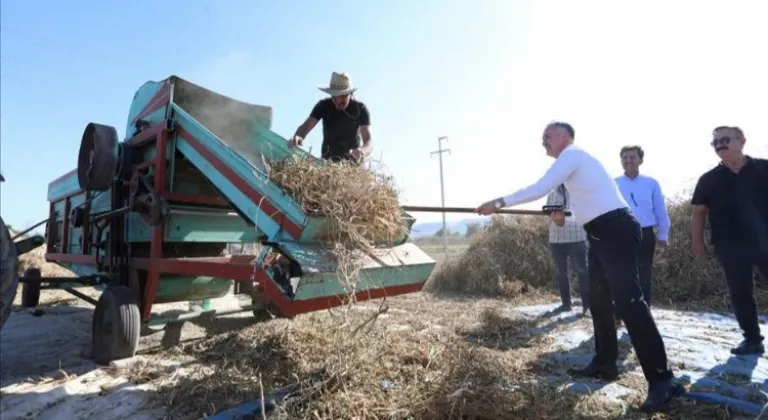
x=30 y=289
x=9 y=278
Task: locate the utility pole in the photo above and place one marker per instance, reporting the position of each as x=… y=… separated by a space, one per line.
x=439 y=152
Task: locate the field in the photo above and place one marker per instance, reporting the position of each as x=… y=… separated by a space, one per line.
x=435 y=248
x=478 y=343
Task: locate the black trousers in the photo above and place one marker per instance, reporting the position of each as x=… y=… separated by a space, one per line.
x=614 y=244
x=738 y=261
x=645 y=262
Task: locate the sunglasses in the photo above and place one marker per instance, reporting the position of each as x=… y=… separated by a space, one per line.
x=721 y=141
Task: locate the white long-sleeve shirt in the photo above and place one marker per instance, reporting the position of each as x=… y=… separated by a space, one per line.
x=593 y=191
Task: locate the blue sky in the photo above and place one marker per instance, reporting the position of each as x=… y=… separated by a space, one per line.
x=489 y=74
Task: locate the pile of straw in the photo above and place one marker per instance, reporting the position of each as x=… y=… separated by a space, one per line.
x=362 y=206
x=430 y=360
x=516 y=249
x=36 y=259
x=509 y=250
x=416 y=370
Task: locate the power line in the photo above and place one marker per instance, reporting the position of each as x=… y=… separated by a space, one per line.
x=439 y=152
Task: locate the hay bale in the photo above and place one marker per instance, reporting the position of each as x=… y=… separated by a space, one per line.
x=515 y=249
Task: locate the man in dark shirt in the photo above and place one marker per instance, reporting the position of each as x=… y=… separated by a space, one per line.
x=735 y=196
x=346 y=121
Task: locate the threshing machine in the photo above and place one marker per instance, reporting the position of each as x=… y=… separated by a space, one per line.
x=150 y=217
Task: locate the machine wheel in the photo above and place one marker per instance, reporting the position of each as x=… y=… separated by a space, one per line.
x=97 y=161
x=116 y=325
x=30 y=291
x=9 y=277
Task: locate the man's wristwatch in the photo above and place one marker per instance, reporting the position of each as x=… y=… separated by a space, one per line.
x=499 y=204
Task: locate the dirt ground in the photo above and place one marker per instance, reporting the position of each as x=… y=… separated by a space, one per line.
x=46 y=372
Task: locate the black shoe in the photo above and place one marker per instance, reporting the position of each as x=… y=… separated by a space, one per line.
x=660 y=394
x=748 y=348
x=592 y=370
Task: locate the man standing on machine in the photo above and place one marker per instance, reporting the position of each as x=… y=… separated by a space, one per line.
x=346 y=122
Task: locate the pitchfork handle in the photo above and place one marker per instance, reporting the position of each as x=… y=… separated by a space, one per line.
x=545 y=211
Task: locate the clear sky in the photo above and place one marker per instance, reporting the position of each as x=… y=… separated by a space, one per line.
x=489 y=74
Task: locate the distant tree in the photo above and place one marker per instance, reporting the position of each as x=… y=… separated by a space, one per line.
x=473 y=228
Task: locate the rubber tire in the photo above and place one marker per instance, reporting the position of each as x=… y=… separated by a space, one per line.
x=120 y=305
x=30 y=292
x=103 y=141
x=9 y=277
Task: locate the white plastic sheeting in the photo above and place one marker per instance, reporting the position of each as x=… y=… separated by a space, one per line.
x=698 y=348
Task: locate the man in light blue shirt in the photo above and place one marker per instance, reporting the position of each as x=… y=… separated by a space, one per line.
x=645 y=199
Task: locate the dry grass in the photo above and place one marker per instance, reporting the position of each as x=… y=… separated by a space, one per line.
x=516 y=248
x=428 y=358
x=36 y=259
x=362 y=206
x=411 y=369
x=510 y=249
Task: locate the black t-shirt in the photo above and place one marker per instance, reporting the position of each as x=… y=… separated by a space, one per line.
x=340 y=127
x=737 y=202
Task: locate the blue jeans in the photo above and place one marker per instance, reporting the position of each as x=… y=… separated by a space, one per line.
x=577 y=252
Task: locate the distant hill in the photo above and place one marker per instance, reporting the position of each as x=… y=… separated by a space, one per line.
x=421 y=230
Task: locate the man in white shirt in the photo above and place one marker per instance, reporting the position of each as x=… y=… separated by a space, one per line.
x=568 y=242
x=614 y=242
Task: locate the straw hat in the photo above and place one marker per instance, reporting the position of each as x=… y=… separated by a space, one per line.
x=340 y=85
